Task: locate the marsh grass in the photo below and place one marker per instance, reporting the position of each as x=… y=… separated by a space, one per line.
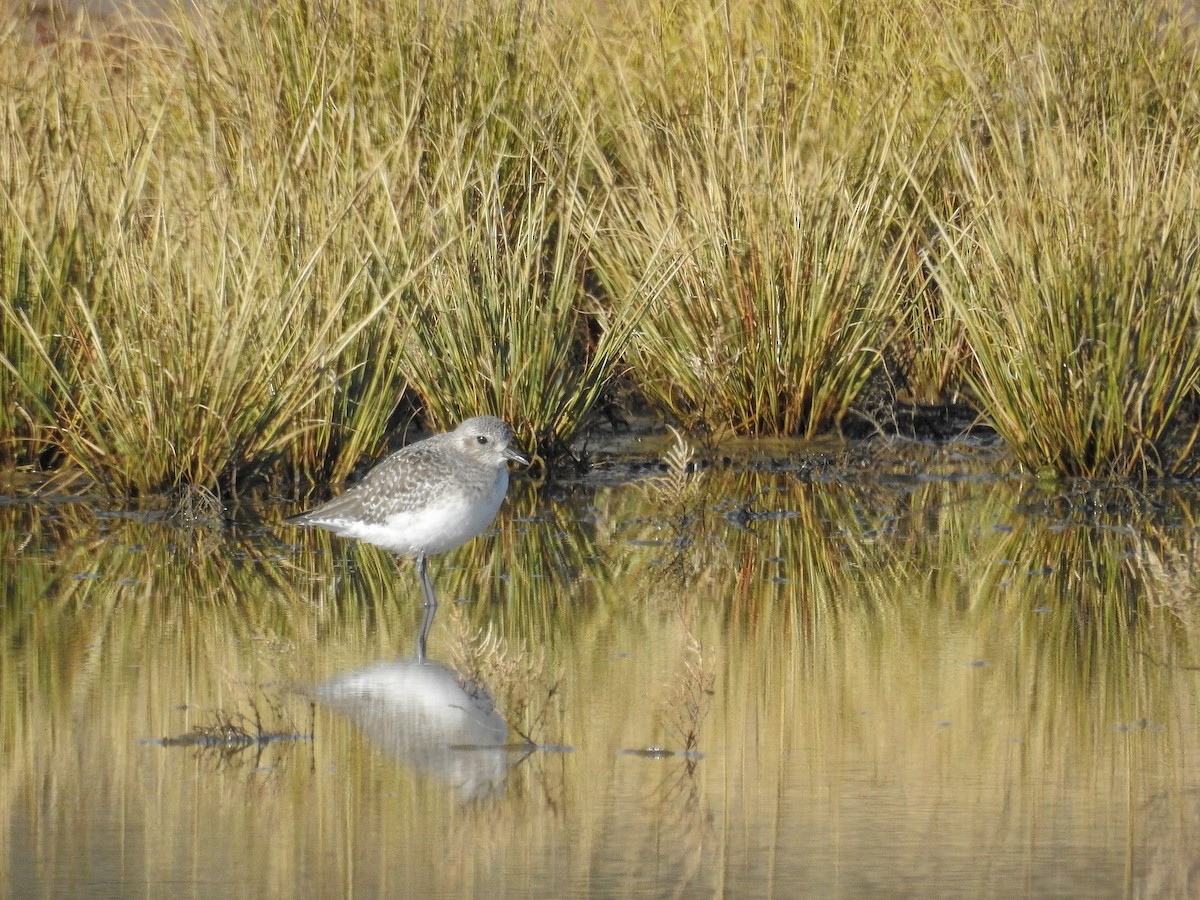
x=1075 y=281
x=525 y=686
x=229 y=732
x=199 y=308
x=506 y=323
x=247 y=249
x=787 y=285
x=1070 y=258
x=677 y=495
x=690 y=699
x=510 y=320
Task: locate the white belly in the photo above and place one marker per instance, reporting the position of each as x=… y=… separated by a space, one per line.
x=440 y=526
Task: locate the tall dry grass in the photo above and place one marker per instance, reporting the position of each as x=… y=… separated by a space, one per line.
x=766 y=152
x=206 y=251
x=508 y=318
x=250 y=248
x=1070 y=254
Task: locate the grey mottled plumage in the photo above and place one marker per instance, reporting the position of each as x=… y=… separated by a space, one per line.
x=428 y=497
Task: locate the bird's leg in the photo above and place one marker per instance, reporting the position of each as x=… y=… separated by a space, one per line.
x=426 y=584
x=423 y=634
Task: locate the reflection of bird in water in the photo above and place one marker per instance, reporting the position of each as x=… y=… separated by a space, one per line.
x=426 y=715
x=428 y=497
x=418 y=713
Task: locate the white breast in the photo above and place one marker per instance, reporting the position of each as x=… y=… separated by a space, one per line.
x=442 y=525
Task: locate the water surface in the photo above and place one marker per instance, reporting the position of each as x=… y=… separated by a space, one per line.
x=755 y=684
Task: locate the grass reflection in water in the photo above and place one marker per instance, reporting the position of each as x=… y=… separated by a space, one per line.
x=944 y=685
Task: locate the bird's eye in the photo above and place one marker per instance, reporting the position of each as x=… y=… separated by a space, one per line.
x=481 y=438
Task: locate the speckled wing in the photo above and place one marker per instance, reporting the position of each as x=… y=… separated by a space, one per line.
x=409 y=479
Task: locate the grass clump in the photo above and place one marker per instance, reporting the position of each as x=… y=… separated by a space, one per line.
x=182 y=305
x=783 y=225
x=505 y=320
x=509 y=320
x=487 y=664
x=1071 y=260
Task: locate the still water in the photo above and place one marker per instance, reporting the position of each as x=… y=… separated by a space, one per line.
x=754 y=684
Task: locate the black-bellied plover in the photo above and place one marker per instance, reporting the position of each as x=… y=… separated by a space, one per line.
x=428 y=497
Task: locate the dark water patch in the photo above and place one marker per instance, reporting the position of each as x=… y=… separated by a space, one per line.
x=225 y=738
x=660 y=753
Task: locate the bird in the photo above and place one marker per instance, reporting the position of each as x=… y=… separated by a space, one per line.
x=428 y=497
